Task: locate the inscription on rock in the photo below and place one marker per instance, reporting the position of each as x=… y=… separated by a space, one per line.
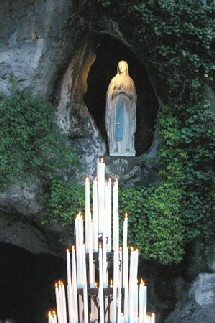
x=125 y=168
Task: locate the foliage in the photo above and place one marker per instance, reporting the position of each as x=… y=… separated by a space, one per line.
x=65 y=200
x=176 y=42
x=31 y=143
x=175 y=39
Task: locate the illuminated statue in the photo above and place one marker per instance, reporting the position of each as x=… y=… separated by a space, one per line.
x=120 y=113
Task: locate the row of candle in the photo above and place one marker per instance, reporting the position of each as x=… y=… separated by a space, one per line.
x=138 y=298
x=94 y=238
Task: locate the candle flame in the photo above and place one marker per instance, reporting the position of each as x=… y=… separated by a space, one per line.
x=153 y=315
x=96 y=285
x=142 y=281
x=56 y=285
x=73 y=247
x=67 y=250
x=111 y=283
x=101 y=160
x=109 y=179
x=126 y=214
x=87 y=179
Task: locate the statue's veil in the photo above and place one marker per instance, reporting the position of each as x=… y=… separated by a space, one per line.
x=126 y=67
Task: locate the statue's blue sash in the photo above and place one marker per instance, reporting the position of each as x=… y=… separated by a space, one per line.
x=119 y=118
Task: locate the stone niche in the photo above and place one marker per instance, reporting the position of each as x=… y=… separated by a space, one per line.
x=81 y=97
x=109 y=51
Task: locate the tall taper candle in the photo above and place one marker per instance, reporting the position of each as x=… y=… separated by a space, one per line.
x=115 y=217
x=101 y=190
x=68 y=267
x=95 y=215
x=125 y=230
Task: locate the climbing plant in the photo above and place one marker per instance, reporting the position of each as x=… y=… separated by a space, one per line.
x=31 y=143
x=176 y=41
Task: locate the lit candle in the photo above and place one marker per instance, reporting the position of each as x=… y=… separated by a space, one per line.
x=70 y=302
x=58 y=302
x=95 y=214
x=153 y=318
x=122 y=318
x=104 y=258
x=108 y=212
x=91 y=269
x=101 y=294
x=136 y=299
x=62 y=302
x=50 y=317
x=125 y=282
x=85 y=304
x=119 y=301
x=120 y=267
x=125 y=231
x=54 y=317
x=142 y=302
x=115 y=217
x=101 y=183
x=115 y=284
x=131 y=285
x=74 y=284
x=87 y=212
x=68 y=268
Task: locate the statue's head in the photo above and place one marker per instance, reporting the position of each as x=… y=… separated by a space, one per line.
x=122 y=67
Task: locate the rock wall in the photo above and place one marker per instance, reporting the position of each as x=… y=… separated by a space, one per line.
x=47 y=47
x=198 y=302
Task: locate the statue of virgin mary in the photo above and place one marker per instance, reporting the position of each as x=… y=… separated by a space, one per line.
x=120 y=113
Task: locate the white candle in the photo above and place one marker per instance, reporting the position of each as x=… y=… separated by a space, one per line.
x=87 y=212
x=120 y=268
x=115 y=217
x=58 y=302
x=54 y=317
x=101 y=197
x=125 y=282
x=108 y=212
x=122 y=319
x=101 y=294
x=85 y=304
x=104 y=258
x=131 y=286
x=125 y=231
x=74 y=285
x=136 y=299
x=142 y=302
x=68 y=268
x=115 y=284
x=95 y=214
x=70 y=302
x=153 y=318
x=50 y=317
x=91 y=269
x=119 y=300
x=62 y=299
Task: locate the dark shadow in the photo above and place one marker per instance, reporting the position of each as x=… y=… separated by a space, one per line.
x=27 y=284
